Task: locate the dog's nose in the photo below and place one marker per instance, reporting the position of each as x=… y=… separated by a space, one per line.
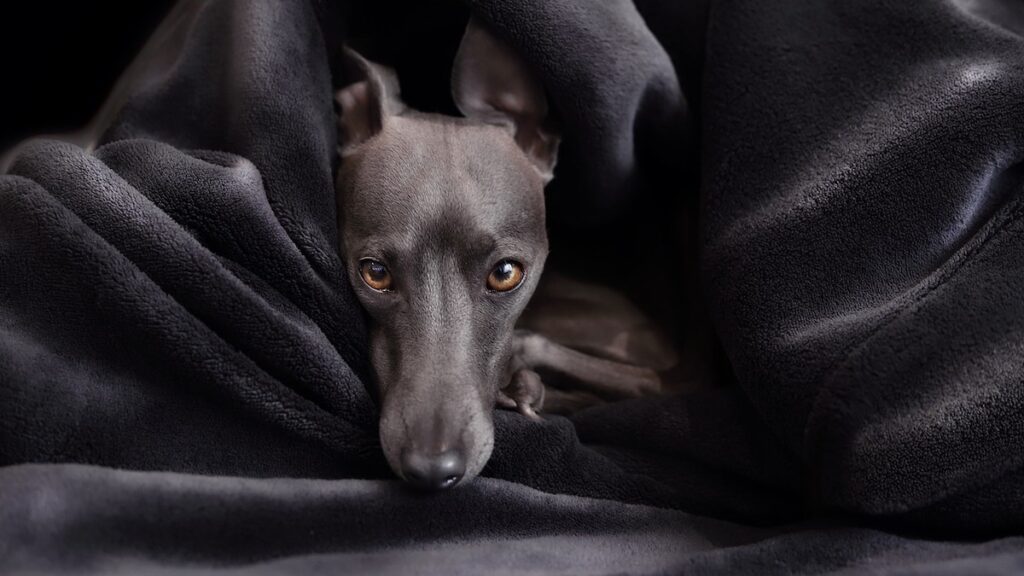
x=433 y=471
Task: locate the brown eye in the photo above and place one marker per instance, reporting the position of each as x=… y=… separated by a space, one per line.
x=375 y=274
x=507 y=275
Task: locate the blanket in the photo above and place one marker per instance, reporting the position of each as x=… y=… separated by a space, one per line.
x=183 y=367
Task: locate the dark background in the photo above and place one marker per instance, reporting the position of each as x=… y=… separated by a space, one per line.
x=61 y=58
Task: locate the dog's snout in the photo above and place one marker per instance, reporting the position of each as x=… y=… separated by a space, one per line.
x=433 y=471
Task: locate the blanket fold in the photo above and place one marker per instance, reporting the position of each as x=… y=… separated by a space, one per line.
x=861 y=255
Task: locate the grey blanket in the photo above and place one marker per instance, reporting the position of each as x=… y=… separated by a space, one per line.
x=172 y=303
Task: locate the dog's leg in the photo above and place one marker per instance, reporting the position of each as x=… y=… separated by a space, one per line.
x=525 y=393
x=605 y=378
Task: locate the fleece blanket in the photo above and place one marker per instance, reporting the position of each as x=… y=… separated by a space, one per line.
x=183 y=380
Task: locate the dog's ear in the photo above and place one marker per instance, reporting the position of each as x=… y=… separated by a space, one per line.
x=366 y=102
x=491 y=84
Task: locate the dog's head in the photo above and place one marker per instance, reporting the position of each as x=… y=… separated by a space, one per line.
x=443 y=234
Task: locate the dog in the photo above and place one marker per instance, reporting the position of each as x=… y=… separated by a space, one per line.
x=444 y=237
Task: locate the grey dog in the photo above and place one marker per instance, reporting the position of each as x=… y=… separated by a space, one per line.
x=444 y=237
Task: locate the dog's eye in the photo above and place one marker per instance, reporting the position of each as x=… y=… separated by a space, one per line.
x=507 y=275
x=375 y=274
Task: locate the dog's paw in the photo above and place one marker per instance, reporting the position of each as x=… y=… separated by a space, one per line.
x=645 y=382
x=525 y=394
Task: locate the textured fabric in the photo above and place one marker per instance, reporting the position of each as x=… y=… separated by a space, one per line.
x=173 y=302
x=862 y=226
x=83 y=520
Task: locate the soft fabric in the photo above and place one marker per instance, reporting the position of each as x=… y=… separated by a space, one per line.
x=116 y=522
x=863 y=246
x=172 y=301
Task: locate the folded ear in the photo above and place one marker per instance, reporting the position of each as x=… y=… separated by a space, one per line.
x=491 y=84
x=366 y=102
